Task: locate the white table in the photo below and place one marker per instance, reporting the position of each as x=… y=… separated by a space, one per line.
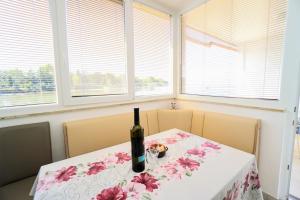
x=194 y=168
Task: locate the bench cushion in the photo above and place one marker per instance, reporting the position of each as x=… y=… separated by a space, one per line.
x=18 y=190
x=89 y=135
x=180 y=119
x=235 y=131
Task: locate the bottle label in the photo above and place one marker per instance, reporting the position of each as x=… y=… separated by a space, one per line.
x=141 y=158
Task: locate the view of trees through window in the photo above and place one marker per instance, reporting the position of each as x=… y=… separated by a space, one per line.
x=27 y=70
x=152 y=42
x=105 y=82
x=20 y=87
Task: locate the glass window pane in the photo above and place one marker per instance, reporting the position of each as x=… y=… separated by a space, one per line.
x=234 y=48
x=96 y=47
x=27 y=67
x=152 y=52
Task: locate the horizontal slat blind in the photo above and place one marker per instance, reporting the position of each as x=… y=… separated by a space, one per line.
x=27 y=72
x=96 y=47
x=152 y=52
x=234 y=48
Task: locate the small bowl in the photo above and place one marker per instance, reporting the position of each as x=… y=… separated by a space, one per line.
x=162 y=149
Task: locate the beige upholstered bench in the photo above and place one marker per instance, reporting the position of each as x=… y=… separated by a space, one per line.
x=92 y=134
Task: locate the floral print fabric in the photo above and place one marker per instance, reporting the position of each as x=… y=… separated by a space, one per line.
x=111 y=181
x=248 y=187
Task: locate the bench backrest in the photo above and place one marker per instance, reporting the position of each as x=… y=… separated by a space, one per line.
x=180 y=119
x=238 y=132
x=88 y=135
x=92 y=134
x=23 y=150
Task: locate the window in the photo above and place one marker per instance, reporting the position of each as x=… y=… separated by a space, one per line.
x=109 y=50
x=234 y=48
x=27 y=67
x=152 y=52
x=96 y=47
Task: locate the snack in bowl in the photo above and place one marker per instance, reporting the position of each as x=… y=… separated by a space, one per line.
x=162 y=149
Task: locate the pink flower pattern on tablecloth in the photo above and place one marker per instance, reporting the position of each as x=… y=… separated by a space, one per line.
x=197 y=152
x=146 y=179
x=171 y=140
x=145 y=184
x=174 y=170
x=188 y=163
x=96 y=168
x=254 y=180
x=250 y=182
x=233 y=193
x=211 y=145
x=113 y=193
x=65 y=174
x=122 y=157
x=246 y=183
x=45 y=183
x=184 y=135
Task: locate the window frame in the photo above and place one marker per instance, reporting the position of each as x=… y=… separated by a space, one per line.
x=129 y=46
x=269 y=104
x=25 y=109
x=65 y=102
x=66 y=95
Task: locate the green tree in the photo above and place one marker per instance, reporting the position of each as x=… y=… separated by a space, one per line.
x=47 y=77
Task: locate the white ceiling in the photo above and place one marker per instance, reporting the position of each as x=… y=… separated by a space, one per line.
x=174 y=4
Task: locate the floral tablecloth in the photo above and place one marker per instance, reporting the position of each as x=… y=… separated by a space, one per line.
x=193 y=168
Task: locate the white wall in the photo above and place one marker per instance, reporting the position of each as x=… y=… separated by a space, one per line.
x=56 y=121
x=271 y=138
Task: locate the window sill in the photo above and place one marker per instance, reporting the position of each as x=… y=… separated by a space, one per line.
x=26 y=111
x=268 y=105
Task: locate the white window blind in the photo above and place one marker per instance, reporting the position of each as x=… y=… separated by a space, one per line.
x=152 y=52
x=96 y=47
x=27 y=74
x=234 y=48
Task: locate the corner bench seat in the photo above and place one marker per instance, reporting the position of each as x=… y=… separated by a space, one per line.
x=18 y=190
x=88 y=135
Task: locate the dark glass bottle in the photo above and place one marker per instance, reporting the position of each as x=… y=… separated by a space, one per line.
x=137 y=144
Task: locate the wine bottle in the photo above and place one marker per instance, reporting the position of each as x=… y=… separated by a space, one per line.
x=137 y=144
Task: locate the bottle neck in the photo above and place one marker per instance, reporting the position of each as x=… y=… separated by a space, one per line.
x=136 y=117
